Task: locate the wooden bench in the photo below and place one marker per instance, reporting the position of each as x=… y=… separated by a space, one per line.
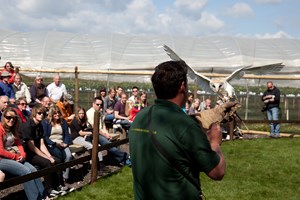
x=21 y=179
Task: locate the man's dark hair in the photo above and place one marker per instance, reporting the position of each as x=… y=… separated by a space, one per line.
x=168 y=77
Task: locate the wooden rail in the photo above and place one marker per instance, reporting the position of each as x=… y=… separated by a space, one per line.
x=21 y=179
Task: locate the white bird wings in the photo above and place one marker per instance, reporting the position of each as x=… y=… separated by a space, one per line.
x=202 y=80
x=264 y=69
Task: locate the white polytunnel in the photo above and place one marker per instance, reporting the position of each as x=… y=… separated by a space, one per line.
x=140 y=54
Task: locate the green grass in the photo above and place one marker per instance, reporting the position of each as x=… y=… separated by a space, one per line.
x=257 y=169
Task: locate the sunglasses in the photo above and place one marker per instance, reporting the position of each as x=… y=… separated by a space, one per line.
x=23 y=104
x=10 y=117
x=40 y=113
x=55 y=113
x=97 y=104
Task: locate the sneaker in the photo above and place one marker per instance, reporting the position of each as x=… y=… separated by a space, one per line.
x=65 y=189
x=62 y=188
x=127 y=162
x=54 y=193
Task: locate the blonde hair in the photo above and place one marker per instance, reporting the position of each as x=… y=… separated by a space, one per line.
x=52 y=110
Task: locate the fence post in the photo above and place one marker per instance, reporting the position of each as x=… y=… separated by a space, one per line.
x=231 y=128
x=95 y=160
x=76 y=87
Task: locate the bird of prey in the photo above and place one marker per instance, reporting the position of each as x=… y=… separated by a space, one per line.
x=222 y=86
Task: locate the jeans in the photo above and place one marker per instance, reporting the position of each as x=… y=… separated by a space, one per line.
x=64 y=155
x=118 y=155
x=52 y=180
x=109 y=117
x=81 y=141
x=34 y=188
x=273 y=114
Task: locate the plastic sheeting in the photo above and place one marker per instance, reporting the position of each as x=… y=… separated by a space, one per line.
x=112 y=51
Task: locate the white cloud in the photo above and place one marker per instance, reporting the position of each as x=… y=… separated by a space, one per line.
x=210 y=21
x=267 y=1
x=279 y=34
x=190 y=4
x=240 y=10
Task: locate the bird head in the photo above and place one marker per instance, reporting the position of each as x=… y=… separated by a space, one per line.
x=216 y=85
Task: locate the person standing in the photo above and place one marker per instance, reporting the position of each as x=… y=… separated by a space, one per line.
x=189 y=146
x=271 y=99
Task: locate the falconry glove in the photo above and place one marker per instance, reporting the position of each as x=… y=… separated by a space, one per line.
x=226 y=111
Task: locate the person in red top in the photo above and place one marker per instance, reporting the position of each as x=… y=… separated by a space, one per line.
x=13 y=156
x=21 y=106
x=10 y=69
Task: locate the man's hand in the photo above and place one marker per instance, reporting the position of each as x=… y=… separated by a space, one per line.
x=214 y=135
x=217 y=114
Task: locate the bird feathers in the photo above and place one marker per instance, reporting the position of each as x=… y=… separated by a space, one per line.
x=222 y=86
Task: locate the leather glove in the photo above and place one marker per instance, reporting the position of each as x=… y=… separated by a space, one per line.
x=217 y=114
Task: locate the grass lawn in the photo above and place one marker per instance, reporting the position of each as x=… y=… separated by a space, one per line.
x=257 y=169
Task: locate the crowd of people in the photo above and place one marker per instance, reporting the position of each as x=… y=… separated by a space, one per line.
x=39 y=123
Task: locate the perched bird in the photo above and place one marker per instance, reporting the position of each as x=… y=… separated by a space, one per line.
x=222 y=86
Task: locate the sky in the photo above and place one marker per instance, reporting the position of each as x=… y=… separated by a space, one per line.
x=249 y=18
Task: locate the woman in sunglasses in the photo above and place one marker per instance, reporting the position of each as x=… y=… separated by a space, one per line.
x=57 y=136
x=36 y=150
x=12 y=155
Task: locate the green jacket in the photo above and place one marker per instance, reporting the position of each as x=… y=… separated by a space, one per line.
x=183 y=138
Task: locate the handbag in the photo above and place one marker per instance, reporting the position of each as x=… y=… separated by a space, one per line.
x=169 y=158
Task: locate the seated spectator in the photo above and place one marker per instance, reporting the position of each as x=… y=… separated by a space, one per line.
x=65 y=105
x=2 y=176
x=143 y=100
x=37 y=90
x=135 y=94
x=46 y=102
x=119 y=92
x=57 y=137
x=57 y=89
x=104 y=137
x=205 y=105
x=79 y=129
x=3 y=104
x=37 y=152
x=138 y=105
x=195 y=107
x=108 y=105
x=189 y=102
x=8 y=67
x=6 y=88
x=102 y=93
x=21 y=89
x=120 y=116
x=13 y=157
x=21 y=109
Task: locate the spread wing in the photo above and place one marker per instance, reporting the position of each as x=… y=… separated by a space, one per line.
x=265 y=69
x=237 y=74
x=259 y=70
x=202 y=80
